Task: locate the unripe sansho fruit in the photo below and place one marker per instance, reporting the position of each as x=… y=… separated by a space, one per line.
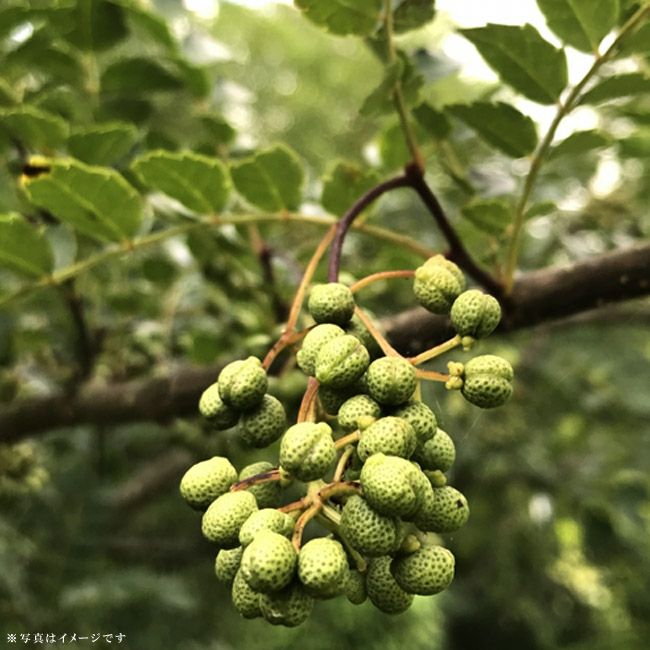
x=331 y=303
x=207 y=480
x=243 y=383
x=323 y=567
x=307 y=450
x=289 y=607
x=445 y=511
x=438 y=453
x=391 y=485
x=215 y=411
x=264 y=424
x=366 y=530
x=438 y=282
x=383 y=590
x=269 y=562
x=266 y=494
x=359 y=406
x=391 y=380
x=390 y=435
x=341 y=361
x=223 y=519
x=355 y=588
x=420 y=417
x=426 y=572
x=265 y=519
x=312 y=343
x=475 y=314
x=244 y=598
x=227 y=562
x=487 y=381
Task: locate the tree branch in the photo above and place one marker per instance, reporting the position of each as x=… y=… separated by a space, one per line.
x=537 y=297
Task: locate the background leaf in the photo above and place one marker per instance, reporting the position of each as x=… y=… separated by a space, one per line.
x=412 y=14
x=102 y=144
x=271 y=180
x=343 y=16
x=380 y=101
x=96 y=201
x=344 y=184
x=33 y=128
x=198 y=182
x=138 y=75
x=581 y=23
x=502 y=125
x=579 y=142
x=491 y=216
x=434 y=122
x=615 y=87
x=23 y=248
x=523 y=59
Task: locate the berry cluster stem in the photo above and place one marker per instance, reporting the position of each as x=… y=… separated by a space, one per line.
x=436 y=351
x=342 y=463
x=347 y=440
x=377 y=277
x=306 y=413
x=431 y=375
x=264 y=477
x=386 y=347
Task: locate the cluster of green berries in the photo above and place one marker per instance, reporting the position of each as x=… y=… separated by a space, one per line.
x=370 y=451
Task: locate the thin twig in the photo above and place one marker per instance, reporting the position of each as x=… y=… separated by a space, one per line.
x=342 y=464
x=436 y=351
x=264 y=477
x=308 y=400
x=431 y=375
x=303 y=520
x=346 y=220
x=347 y=440
x=457 y=251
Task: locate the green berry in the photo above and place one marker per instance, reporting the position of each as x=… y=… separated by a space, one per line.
x=289 y=607
x=438 y=282
x=244 y=598
x=475 y=314
x=223 y=519
x=215 y=411
x=207 y=480
x=438 y=453
x=264 y=424
x=243 y=383
x=426 y=572
x=355 y=588
x=444 y=511
x=265 y=519
x=307 y=450
x=227 y=562
x=366 y=530
x=312 y=343
x=391 y=380
x=323 y=567
x=269 y=562
x=487 y=381
x=383 y=590
x=392 y=485
x=341 y=361
x=436 y=477
x=331 y=399
x=266 y=494
x=390 y=435
x=359 y=406
x=420 y=417
x=331 y=303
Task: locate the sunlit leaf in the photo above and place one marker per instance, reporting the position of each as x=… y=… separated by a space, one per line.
x=359 y=17
x=581 y=23
x=198 y=182
x=23 y=248
x=96 y=201
x=523 y=59
x=579 y=142
x=502 y=125
x=271 y=180
x=33 y=128
x=102 y=144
